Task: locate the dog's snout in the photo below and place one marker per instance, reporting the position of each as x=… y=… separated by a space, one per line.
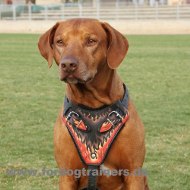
x=69 y=64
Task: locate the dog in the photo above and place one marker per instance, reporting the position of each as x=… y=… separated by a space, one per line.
x=88 y=53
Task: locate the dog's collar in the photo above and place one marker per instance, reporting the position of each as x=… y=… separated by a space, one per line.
x=94 y=130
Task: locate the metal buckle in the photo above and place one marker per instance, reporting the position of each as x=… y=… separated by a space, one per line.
x=117 y=116
x=70 y=115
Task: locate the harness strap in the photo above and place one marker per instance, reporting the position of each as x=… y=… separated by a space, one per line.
x=94 y=130
x=92 y=177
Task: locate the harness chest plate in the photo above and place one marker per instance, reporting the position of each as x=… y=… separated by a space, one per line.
x=94 y=130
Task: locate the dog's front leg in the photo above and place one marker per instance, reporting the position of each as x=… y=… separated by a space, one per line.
x=68 y=183
x=135 y=183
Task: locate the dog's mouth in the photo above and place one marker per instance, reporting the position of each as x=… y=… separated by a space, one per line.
x=72 y=79
x=81 y=74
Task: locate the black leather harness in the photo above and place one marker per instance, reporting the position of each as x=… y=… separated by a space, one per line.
x=94 y=130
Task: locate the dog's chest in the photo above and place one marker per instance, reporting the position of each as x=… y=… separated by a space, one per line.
x=94 y=130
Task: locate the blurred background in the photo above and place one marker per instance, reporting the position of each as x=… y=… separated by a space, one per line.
x=128 y=16
x=104 y=10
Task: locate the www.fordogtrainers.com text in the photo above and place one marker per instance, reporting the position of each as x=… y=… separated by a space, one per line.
x=76 y=172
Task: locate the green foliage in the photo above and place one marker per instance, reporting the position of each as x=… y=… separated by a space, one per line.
x=157 y=73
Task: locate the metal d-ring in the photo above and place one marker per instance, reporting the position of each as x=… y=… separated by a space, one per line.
x=70 y=115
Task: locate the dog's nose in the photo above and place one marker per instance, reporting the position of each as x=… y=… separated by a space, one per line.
x=69 y=64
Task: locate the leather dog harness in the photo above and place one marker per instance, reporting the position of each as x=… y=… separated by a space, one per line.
x=94 y=130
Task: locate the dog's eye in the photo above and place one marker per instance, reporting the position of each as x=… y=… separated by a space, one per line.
x=60 y=43
x=91 y=42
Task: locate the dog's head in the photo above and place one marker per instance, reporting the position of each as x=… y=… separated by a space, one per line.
x=81 y=47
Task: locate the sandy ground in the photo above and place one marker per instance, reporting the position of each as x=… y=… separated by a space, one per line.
x=126 y=27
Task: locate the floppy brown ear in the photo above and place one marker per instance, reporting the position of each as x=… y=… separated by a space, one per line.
x=45 y=44
x=117 y=46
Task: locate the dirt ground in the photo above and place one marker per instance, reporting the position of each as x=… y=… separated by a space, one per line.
x=125 y=27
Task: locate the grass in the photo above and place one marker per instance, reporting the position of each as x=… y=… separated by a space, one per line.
x=157 y=73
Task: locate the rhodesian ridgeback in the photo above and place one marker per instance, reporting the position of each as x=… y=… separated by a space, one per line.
x=88 y=53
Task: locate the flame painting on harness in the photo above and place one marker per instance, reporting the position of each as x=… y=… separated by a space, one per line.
x=93 y=131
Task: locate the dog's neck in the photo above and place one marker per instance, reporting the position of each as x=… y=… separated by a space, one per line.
x=105 y=89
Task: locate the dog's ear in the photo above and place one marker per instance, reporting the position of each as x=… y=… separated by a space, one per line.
x=117 y=46
x=45 y=44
